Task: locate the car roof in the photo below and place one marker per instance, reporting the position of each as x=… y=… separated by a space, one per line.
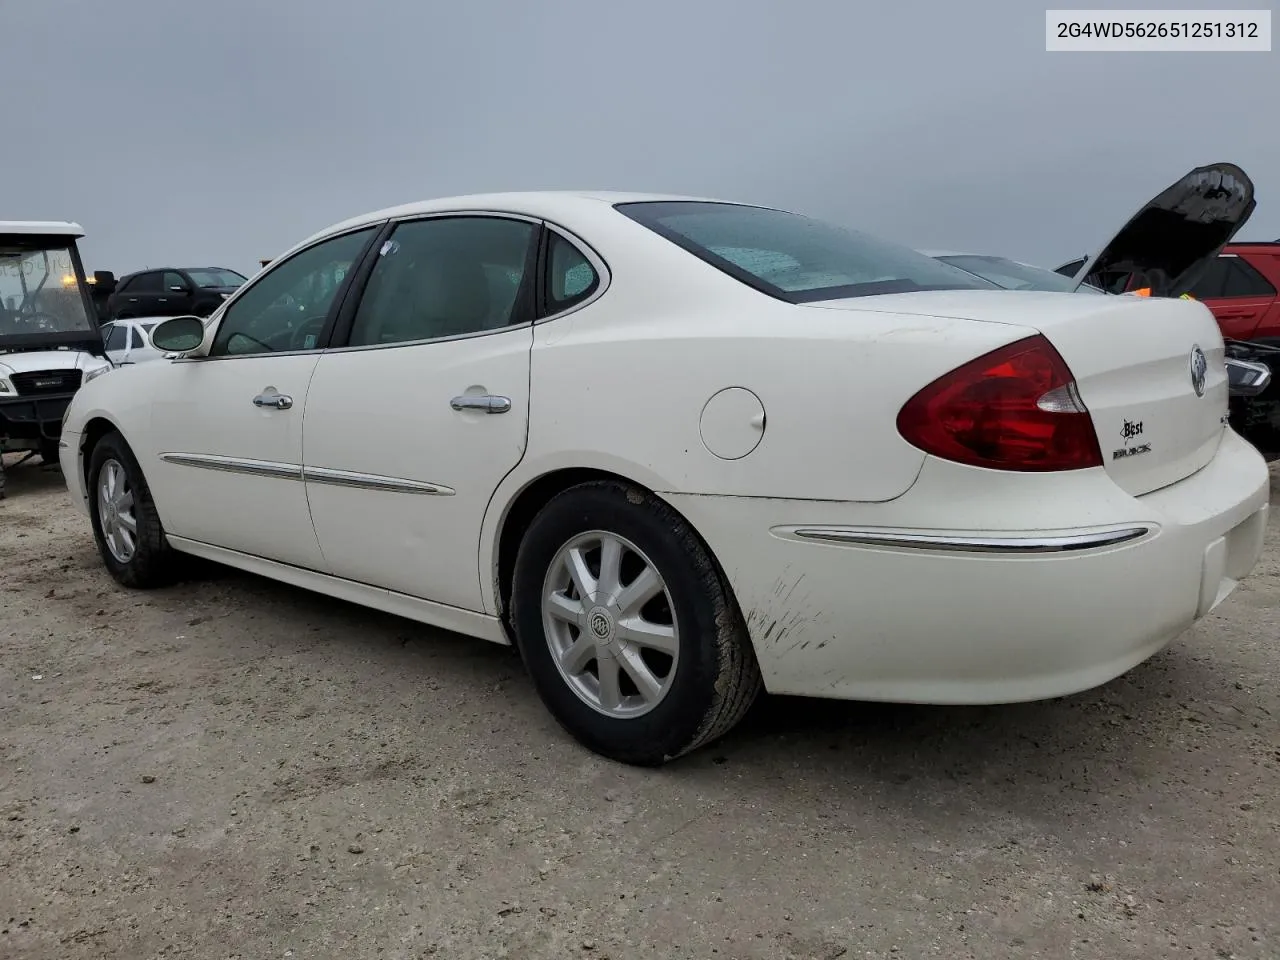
x=55 y=228
x=135 y=273
x=548 y=204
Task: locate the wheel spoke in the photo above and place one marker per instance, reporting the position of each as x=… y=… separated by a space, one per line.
x=128 y=523
x=610 y=578
x=576 y=658
x=562 y=608
x=610 y=693
x=650 y=687
x=644 y=633
x=576 y=563
x=124 y=499
x=639 y=591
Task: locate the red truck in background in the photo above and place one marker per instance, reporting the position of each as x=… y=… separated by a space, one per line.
x=1242 y=288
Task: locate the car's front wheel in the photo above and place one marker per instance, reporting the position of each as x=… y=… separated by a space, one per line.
x=126 y=525
x=628 y=627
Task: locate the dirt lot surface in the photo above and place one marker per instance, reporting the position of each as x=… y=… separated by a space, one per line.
x=234 y=768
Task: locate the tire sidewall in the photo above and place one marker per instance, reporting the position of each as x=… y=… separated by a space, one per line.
x=111 y=447
x=697 y=605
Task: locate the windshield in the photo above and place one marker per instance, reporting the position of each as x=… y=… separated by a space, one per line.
x=40 y=292
x=216 y=278
x=1013 y=275
x=795 y=258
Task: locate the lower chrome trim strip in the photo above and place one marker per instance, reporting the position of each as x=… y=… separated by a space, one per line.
x=293 y=471
x=370 y=481
x=259 y=468
x=1020 y=546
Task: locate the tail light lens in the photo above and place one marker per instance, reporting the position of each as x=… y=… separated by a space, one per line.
x=1015 y=408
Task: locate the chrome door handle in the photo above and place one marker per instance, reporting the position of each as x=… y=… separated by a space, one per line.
x=278 y=401
x=486 y=402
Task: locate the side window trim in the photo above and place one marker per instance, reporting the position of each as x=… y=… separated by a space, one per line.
x=526 y=299
x=603 y=275
x=325 y=337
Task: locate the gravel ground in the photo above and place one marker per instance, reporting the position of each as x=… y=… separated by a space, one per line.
x=234 y=768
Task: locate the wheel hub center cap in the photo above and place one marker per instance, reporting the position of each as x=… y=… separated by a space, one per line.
x=600 y=625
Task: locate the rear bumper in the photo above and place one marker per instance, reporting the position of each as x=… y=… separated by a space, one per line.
x=962 y=591
x=33 y=418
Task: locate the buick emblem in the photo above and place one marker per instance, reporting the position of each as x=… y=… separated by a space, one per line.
x=1199 y=370
x=600 y=624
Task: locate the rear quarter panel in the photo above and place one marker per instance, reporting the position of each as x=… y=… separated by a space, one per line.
x=625 y=382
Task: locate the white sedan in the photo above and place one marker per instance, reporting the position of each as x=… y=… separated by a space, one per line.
x=680 y=450
x=128 y=341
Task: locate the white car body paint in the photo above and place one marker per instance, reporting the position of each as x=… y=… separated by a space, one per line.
x=864 y=567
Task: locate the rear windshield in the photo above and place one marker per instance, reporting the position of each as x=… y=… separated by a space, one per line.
x=1013 y=275
x=796 y=258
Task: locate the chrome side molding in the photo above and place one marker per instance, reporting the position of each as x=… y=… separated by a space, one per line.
x=968 y=543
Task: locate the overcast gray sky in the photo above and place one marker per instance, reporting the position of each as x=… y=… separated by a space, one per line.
x=182 y=132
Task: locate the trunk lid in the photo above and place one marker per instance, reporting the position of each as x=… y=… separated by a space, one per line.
x=1151 y=371
x=1169 y=242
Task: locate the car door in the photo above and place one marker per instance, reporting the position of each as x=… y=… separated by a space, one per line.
x=227 y=428
x=140 y=347
x=116 y=340
x=419 y=411
x=1237 y=293
x=141 y=298
x=178 y=298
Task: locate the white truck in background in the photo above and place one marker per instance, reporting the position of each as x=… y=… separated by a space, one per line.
x=50 y=343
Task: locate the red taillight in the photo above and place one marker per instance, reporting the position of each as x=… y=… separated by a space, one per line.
x=1015 y=408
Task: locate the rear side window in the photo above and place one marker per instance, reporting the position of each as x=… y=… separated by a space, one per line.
x=796 y=258
x=570 y=276
x=1231 y=276
x=145 y=283
x=1244 y=280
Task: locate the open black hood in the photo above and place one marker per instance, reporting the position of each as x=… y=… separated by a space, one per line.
x=1167 y=244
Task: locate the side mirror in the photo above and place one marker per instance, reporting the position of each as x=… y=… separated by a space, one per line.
x=104 y=280
x=178 y=288
x=178 y=334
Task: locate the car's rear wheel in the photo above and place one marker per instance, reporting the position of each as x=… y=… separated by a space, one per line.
x=126 y=525
x=628 y=627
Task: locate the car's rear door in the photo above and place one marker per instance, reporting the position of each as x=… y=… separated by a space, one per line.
x=1237 y=293
x=421 y=407
x=142 y=297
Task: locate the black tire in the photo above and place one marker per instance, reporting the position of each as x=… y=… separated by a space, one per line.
x=49 y=452
x=153 y=562
x=716 y=676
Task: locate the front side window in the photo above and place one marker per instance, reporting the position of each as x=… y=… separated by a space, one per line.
x=446 y=277
x=796 y=258
x=173 y=282
x=117 y=338
x=287 y=308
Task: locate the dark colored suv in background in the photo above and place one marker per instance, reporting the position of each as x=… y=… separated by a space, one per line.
x=172 y=292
